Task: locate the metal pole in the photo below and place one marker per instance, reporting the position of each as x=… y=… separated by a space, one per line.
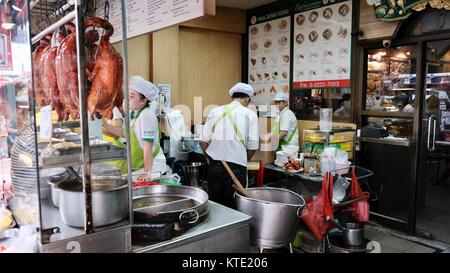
x=69 y=17
x=127 y=109
x=83 y=92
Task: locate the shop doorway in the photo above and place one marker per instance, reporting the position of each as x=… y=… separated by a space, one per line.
x=433 y=191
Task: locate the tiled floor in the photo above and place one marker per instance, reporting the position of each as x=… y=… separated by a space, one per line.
x=394 y=241
x=389 y=241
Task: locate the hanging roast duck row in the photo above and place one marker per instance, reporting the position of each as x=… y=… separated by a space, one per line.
x=56 y=72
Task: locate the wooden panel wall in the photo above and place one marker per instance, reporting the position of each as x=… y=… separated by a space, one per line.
x=210 y=64
x=200 y=58
x=139 y=55
x=371 y=27
x=165 y=64
x=226 y=19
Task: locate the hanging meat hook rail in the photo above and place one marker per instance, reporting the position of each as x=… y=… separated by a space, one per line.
x=62 y=7
x=69 y=17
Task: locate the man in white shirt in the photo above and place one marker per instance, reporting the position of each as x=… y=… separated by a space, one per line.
x=285 y=130
x=230 y=134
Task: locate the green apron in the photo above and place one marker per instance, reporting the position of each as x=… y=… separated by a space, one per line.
x=137 y=154
x=227 y=113
x=277 y=131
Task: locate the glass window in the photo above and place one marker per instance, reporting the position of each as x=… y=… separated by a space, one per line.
x=307 y=103
x=391 y=79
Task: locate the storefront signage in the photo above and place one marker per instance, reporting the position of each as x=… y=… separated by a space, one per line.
x=322 y=44
x=5 y=50
x=394 y=10
x=269 y=55
x=151 y=15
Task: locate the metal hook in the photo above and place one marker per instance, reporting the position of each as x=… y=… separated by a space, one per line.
x=106 y=10
x=47 y=21
x=85 y=8
x=58 y=8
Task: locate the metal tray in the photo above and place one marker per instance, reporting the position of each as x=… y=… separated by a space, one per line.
x=109 y=152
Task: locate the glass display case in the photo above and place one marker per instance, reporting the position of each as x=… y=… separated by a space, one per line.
x=66 y=180
x=342 y=138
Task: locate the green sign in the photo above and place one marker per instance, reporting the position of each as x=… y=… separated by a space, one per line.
x=394 y=10
x=305 y=5
x=264 y=16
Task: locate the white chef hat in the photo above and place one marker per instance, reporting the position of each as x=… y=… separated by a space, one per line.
x=146 y=88
x=242 y=88
x=280 y=96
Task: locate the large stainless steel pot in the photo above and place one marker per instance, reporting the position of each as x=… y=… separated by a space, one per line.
x=47 y=178
x=169 y=204
x=275 y=215
x=109 y=202
x=192 y=172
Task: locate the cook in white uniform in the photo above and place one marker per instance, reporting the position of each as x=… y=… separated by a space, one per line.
x=285 y=130
x=230 y=134
x=146 y=152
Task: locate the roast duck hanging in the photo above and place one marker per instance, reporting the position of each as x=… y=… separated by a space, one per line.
x=55 y=71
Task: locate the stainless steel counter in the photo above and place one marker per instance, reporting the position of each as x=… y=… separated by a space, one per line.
x=224 y=231
x=361 y=173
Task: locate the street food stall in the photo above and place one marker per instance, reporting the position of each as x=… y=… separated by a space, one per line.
x=347 y=87
x=62 y=190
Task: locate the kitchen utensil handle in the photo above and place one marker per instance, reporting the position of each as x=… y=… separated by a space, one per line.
x=189 y=211
x=429 y=133
x=238 y=190
x=337 y=224
x=434 y=134
x=233 y=177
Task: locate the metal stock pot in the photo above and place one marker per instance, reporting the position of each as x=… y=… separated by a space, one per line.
x=109 y=202
x=275 y=213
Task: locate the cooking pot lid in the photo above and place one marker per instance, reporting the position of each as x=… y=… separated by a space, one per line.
x=52 y=172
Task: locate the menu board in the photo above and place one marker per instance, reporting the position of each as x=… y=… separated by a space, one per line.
x=322 y=46
x=269 y=56
x=145 y=16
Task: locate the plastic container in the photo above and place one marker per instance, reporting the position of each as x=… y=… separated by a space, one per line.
x=326 y=119
x=281 y=158
x=327 y=164
x=342 y=167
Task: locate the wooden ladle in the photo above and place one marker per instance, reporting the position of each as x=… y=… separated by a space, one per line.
x=235 y=180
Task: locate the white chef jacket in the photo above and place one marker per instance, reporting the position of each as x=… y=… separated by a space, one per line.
x=288 y=123
x=224 y=143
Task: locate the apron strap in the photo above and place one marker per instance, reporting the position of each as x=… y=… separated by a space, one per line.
x=227 y=114
x=278 y=130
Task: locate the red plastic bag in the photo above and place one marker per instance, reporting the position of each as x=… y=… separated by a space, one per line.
x=360 y=209
x=318 y=213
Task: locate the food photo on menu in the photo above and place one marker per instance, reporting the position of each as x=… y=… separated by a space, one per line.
x=269 y=58
x=322 y=43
